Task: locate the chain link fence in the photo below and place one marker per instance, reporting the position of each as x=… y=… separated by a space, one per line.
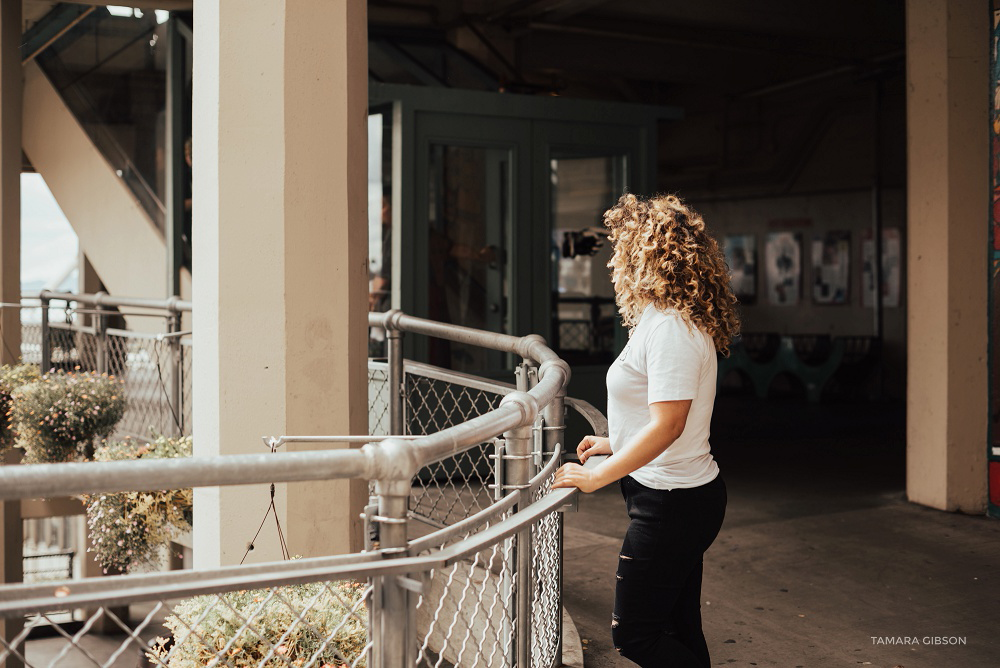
x=315 y=622
x=155 y=368
x=303 y=613
x=478 y=580
x=378 y=398
x=466 y=615
x=546 y=584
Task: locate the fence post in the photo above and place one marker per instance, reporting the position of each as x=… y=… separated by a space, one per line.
x=46 y=361
x=101 y=335
x=395 y=353
x=177 y=362
x=554 y=435
x=11 y=561
x=392 y=623
x=518 y=459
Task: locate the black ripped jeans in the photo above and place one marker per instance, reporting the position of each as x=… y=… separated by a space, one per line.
x=657 y=618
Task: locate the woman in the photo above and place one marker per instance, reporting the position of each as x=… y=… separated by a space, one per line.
x=672 y=289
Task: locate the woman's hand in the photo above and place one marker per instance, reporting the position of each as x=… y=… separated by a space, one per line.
x=593 y=445
x=574 y=475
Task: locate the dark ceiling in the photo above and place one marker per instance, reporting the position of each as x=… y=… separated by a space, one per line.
x=668 y=51
x=779 y=96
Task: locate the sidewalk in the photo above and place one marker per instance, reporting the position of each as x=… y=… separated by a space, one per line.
x=819 y=553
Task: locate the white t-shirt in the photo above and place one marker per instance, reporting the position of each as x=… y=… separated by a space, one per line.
x=665 y=360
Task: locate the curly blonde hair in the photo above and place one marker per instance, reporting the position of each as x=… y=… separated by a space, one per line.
x=663 y=255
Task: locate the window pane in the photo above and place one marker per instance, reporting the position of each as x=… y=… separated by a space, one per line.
x=466 y=280
x=584 y=314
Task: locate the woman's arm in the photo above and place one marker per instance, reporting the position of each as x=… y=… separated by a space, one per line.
x=666 y=424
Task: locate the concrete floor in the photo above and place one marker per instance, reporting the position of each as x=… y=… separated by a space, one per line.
x=820 y=550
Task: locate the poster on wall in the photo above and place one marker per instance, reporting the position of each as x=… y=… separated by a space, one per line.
x=741 y=256
x=891 y=258
x=783 y=260
x=831 y=263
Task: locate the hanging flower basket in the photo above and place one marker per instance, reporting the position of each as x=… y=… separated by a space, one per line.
x=59 y=416
x=128 y=529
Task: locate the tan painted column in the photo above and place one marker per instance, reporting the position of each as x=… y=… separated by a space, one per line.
x=280 y=242
x=948 y=150
x=87 y=279
x=10 y=266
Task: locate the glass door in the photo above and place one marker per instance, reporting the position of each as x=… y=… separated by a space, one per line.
x=584 y=316
x=468 y=218
x=583 y=168
x=467 y=199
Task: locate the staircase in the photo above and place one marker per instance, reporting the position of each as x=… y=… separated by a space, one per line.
x=73 y=139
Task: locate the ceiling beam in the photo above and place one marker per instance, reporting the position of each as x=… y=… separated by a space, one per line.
x=666 y=36
x=170 y=5
x=51 y=27
x=504 y=9
x=553 y=10
x=560 y=10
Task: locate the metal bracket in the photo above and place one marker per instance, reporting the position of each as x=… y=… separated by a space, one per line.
x=572 y=506
x=508 y=458
x=501 y=447
x=393 y=550
x=381 y=519
x=371 y=529
x=417 y=586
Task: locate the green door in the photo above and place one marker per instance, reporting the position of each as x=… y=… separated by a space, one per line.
x=470 y=203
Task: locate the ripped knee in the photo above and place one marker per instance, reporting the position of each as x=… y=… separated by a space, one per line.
x=629 y=640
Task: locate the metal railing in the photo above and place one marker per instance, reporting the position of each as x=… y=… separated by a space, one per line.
x=465 y=569
x=155 y=367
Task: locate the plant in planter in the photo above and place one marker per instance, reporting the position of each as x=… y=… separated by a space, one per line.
x=127 y=529
x=59 y=416
x=12 y=377
x=332 y=628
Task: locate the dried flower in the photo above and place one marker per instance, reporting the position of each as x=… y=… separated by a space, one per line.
x=332 y=631
x=129 y=528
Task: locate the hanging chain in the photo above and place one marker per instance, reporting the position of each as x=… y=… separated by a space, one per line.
x=271 y=509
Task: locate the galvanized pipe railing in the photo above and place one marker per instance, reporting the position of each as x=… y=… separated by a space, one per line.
x=171 y=304
x=26 y=598
x=536 y=405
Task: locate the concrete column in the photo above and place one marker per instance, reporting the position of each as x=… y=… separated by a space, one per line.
x=948 y=196
x=11 y=85
x=87 y=279
x=280 y=242
x=87 y=282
